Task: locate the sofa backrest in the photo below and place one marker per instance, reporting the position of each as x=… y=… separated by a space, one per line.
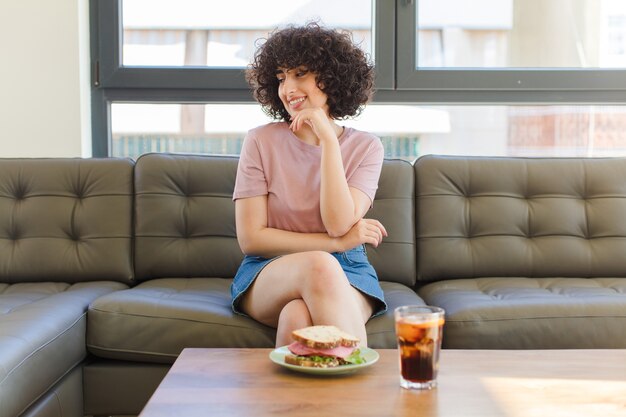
x=185 y=218
x=65 y=219
x=520 y=217
x=394 y=207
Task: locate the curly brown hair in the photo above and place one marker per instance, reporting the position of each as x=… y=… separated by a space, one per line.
x=342 y=70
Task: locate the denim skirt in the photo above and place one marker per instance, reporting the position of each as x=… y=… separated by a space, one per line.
x=354 y=263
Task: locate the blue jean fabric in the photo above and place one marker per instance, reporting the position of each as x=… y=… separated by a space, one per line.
x=354 y=263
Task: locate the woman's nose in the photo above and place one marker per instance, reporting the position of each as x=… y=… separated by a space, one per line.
x=289 y=85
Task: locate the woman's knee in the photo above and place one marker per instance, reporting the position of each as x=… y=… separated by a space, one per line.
x=324 y=273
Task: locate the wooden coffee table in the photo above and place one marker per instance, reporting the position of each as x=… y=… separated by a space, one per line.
x=244 y=382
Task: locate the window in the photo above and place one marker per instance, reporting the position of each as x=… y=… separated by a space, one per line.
x=187 y=58
x=520 y=34
x=512 y=50
x=487 y=77
x=197 y=33
x=220 y=128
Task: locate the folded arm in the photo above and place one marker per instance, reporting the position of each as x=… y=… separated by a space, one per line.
x=255 y=238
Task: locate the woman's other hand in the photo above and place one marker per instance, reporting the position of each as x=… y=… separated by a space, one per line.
x=364 y=231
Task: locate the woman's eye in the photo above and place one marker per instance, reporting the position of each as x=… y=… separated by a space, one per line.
x=280 y=80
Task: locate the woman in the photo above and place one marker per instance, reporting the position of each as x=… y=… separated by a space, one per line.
x=303 y=186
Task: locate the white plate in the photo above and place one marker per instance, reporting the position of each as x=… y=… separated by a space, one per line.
x=370 y=355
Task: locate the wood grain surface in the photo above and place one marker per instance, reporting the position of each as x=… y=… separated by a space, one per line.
x=244 y=382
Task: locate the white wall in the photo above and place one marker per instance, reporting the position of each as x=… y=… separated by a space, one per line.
x=44 y=78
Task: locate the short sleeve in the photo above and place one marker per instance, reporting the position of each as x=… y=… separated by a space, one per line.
x=367 y=174
x=250 y=181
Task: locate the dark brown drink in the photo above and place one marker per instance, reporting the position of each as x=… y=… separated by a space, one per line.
x=419 y=343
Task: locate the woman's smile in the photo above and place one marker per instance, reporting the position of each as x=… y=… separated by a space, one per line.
x=296 y=102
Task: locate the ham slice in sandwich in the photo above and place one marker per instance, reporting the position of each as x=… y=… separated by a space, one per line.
x=321 y=347
x=299 y=349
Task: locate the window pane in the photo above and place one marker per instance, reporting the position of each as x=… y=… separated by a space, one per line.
x=521 y=33
x=203 y=33
x=584 y=131
x=181 y=128
x=221 y=128
x=567 y=131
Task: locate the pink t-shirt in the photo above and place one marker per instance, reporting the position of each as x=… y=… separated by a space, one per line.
x=274 y=162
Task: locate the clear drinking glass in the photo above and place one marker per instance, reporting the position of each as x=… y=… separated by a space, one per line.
x=419 y=330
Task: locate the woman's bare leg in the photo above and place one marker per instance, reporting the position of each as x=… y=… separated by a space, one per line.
x=295 y=315
x=317 y=279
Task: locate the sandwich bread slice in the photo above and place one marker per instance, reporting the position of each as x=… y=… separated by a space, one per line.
x=323 y=347
x=324 y=337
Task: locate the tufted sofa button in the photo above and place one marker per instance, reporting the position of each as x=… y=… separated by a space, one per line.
x=19 y=192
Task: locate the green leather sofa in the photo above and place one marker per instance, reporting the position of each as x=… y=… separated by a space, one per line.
x=110 y=267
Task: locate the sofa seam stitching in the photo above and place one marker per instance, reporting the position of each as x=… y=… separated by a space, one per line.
x=38 y=349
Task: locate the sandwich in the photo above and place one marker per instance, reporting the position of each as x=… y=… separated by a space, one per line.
x=323 y=347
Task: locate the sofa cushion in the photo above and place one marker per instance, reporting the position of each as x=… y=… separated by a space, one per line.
x=42 y=337
x=185 y=218
x=531 y=313
x=65 y=220
x=524 y=217
x=155 y=320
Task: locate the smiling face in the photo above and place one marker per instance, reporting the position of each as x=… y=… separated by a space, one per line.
x=297 y=89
